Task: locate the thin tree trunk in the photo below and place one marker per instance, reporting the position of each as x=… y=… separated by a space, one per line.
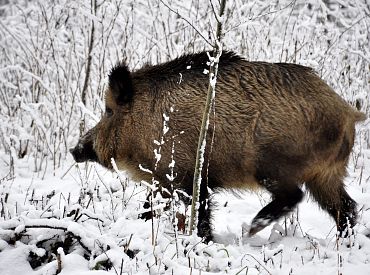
x=197 y=181
x=88 y=65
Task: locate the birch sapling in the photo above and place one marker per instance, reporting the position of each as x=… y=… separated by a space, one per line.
x=211 y=93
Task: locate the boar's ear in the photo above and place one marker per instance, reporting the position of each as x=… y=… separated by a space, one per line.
x=120 y=83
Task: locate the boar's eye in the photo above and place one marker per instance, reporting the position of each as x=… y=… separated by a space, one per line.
x=108 y=111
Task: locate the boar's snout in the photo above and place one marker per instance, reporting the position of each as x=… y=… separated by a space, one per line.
x=84 y=150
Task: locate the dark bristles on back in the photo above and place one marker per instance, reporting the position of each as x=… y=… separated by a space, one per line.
x=199 y=61
x=189 y=63
x=120 y=83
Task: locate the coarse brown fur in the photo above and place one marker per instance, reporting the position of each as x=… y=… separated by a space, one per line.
x=275 y=125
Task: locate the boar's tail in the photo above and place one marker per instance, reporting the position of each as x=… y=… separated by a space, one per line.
x=359 y=116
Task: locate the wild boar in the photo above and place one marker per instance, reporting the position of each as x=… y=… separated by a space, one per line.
x=275 y=125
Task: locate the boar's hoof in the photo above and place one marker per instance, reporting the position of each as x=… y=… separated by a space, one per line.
x=257 y=225
x=205 y=232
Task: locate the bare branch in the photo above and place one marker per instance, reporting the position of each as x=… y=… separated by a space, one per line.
x=188 y=21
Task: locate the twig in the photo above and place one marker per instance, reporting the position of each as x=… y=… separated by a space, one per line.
x=187 y=21
x=59 y=262
x=127 y=244
x=258 y=16
x=286 y=27
x=254 y=258
x=339 y=37
x=66 y=172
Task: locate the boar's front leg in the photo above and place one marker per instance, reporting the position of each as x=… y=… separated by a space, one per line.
x=204 y=211
x=284 y=198
x=204 y=214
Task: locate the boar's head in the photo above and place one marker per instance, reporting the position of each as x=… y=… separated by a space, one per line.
x=112 y=133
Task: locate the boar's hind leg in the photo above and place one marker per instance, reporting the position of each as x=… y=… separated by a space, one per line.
x=333 y=198
x=284 y=198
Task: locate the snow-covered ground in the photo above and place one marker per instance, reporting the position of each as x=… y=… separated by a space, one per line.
x=60 y=217
x=88 y=205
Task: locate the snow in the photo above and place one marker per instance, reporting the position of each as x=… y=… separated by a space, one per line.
x=86 y=217
x=306 y=246
x=15 y=260
x=145 y=169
